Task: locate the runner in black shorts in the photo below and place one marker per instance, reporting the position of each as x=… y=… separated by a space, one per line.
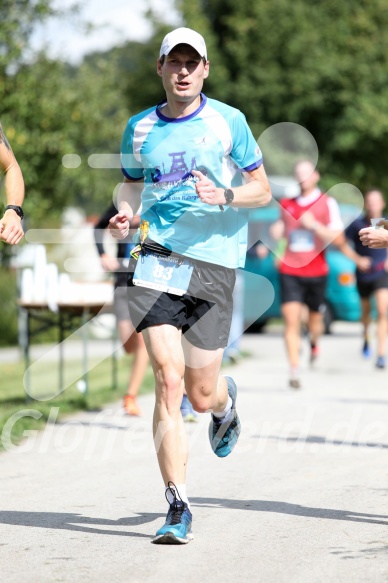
x=371 y=274
x=309 y=223
x=194 y=158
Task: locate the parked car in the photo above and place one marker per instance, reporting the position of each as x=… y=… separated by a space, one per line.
x=342 y=299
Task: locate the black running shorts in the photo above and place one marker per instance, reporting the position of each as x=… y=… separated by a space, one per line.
x=367 y=288
x=305 y=290
x=204 y=313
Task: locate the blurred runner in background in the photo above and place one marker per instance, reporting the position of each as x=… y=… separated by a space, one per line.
x=371 y=274
x=131 y=341
x=309 y=223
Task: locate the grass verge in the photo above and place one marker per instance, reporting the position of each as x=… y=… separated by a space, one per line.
x=13 y=402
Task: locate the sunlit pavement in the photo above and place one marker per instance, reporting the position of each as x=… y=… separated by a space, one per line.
x=303 y=498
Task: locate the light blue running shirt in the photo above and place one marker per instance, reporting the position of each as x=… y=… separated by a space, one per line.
x=214 y=139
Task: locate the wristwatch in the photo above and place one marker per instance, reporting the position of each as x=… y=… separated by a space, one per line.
x=18 y=210
x=229 y=195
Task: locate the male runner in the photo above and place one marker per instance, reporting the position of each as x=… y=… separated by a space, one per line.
x=202 y=170
x=308 y=222
x=371 y=274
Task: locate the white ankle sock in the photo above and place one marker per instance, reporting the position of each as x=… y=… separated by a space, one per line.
x=180 y=493
x=226 y=412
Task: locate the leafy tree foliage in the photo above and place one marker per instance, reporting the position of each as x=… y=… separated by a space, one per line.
x=17 y=20
x=55 y=110
x=49 y=109
x=319 y=64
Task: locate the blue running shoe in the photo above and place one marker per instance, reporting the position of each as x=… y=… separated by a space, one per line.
x=380 y=363
x=366 y=352
x=223 y=435
x=188 y=413
x=177 y=529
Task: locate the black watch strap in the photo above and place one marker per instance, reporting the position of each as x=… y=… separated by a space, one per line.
x=18 y=210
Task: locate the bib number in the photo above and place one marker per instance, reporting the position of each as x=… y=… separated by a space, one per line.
x=167 y=274
x=301 y=241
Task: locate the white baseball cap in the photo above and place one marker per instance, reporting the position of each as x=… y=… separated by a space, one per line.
x=185 y=36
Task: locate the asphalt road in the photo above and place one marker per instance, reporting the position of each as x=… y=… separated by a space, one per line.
x=303 y=498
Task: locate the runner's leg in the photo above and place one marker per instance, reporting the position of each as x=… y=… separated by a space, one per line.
x=365 y=316
x=165 y=351
x=315 y=326
x=133 y=343
x=382 y=324
x=292 y=313
x=209 y=391
x=205 y=387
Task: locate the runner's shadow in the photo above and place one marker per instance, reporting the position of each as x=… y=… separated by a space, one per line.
x=77 y=522
x=317 y=439
x=291 y=509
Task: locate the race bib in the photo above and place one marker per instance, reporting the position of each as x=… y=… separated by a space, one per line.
x=167 y=274
x=301 y=241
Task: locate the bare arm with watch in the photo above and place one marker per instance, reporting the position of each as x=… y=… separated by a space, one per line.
x=256 y=192
x=11 y=230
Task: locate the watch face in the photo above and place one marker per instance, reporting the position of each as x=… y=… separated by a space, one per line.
x=229 y=195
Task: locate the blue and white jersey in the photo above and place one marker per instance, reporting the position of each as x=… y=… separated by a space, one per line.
x=214 y=139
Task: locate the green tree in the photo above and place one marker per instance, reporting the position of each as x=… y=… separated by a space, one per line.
x=49 y=109
x=319 y=64
x=17 y=21
x=57 y=111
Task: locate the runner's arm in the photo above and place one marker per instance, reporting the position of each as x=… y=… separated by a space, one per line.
x=328 y=233
x=11 y=230
x=362 y=262
x=374 y=238
x=128 y=203
x=277 y=229
x=256 y=192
